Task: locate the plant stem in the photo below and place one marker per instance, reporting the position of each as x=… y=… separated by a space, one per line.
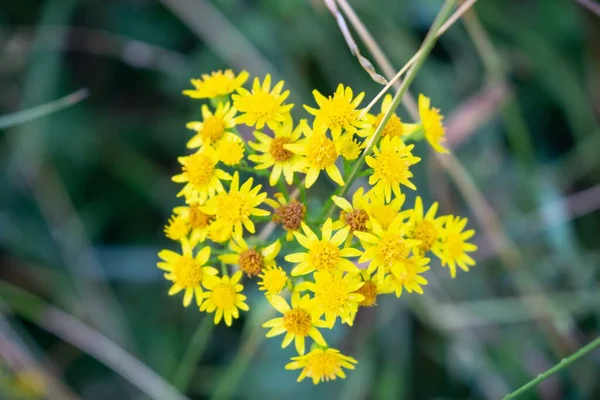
x=562 y=364
x=193 y=353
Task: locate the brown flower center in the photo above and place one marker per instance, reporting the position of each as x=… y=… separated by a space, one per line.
x=369 y=291
x=198 y=219
x=277 y=150
x=297 y=322
x=290 y=215
x=356 y=219
x=251 y=262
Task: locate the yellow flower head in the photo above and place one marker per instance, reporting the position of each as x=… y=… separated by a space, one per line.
x=348 y=147
x=273 y=280
x=177 y=228
x=196 y=219
x=298 y=322
x=318 y=153
x=408 y=277
x=231 y=150
x=186 y=271
x=219 y=83
x=394 y=127
x=369 y=290
x=353 y=215
x=289 y=215
x=323 y=254
x=262 y=105
x=391 y=166
x=425 y=228
x=385 y=248
x=233 y=210
x=250 y=260
x=201 y=176
x=322 y=365
x=454 y=248
x=274 y=154
x=335 y=295
x=432 y=124
x=223 y=297
x=384 y=212
x=214 y=127
x=337 y=112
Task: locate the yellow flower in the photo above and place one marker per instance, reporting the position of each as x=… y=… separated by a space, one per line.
x=394 y=128
x=335 y=295
x=353 y=215
x=250 y=260
x=323 y=254
x=322 y=365
x=177 y=228
x=274 y=154
x=217 y=84
x=298 y=322
x=408 y=277
x=231 y=150
x=223 y=296
x=214 y=127
x=337 y=112
x=391 y=166
x=384 y=212
x=384 y=248
x=262 y=105
x=432 y=124
x=186 y=271
x=202 y=178
x=369 y=290
x=425 y=228
x=319 y=153
x=273 y=280
x=233 y=210
x=289 y=215
x=348 y=147
x=454 y=248
x=197 y=221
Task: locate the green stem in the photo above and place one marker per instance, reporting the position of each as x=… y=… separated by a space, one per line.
x=283 y=188
x=193 y=353
x=562 y=364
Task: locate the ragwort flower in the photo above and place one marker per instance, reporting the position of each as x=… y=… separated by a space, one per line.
x=250 y=260
x=219 y=83
x=273 y=280
x=432 y=124
x=214 y=126
x=337 y=112
x=201 y=176
x=454 y=248
x=322 y=365
x=425 y=228
x=223 y=297
x=408 y=277
x=394 y=127
x=197 y=220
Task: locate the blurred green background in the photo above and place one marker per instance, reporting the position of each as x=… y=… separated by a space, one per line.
x=85 y=192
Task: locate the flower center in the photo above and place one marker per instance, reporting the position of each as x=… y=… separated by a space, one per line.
x=333 y=296
x=426 y=232
x=198 y=219
x=391 y=249
x=274 y=281
x=391 y=166
x=251 y=262
x=356 y=219
x=392 y=128
x=324 y=255
x=297 y=322
x=338 y=113
x=200 y=169
x=349 y=149
x=224 y=296
x=177 y=228
x=277 y=151
x=320 y=151
x=230 y=152
x=369 y=291
x=188 y=273
x=232 y=207
x=262 y=105
x=323 y=365
x=290 y=215
x=213 y=129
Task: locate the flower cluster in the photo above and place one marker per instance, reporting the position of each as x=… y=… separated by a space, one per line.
x=332 y=267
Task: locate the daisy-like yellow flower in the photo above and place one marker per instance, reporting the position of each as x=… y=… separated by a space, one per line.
x=233 y=210
x=219 y=83
x=337 y=112
x=223 y=297
x=274 y=154
x=298 y=322
x=384 y=212
x=318 y=153
x=432 y=124
x=196 y=220
x=322 y=365
x=186 y=271
x=369 y=290
x=348 y=147
x=177 y=228
x=384 y=248
x=250 y=260
x=214 y=127
x=391 y=166
x=425 y=228
x=231 y=150
x=289 y=215
x=408 y=277
x=335 y=295
x=323 y=254
x=454 y=248
x=394 y=128
x=201 y=176
x=273 y=280
x=262 y=105
x=353 y=215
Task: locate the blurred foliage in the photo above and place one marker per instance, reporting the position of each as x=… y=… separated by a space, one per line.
x=84 y=192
